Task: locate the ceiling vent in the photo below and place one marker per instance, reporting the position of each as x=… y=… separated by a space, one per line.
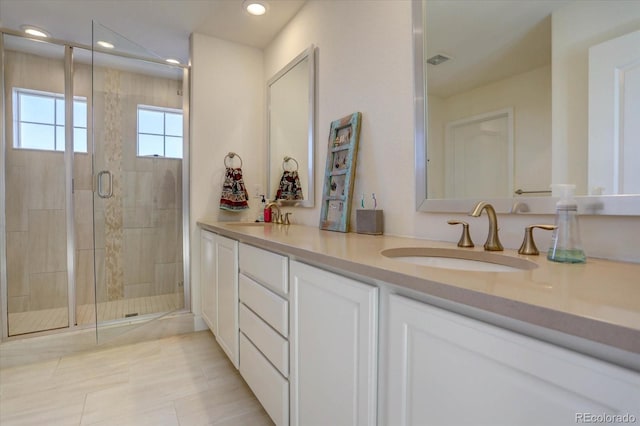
x=438 y=59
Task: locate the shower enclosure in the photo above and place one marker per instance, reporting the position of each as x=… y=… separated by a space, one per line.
x=94 y=150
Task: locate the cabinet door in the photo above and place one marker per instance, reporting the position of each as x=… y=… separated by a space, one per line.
x=208 y=279
x=226 y=252
x=447 y=369
x=333 y=349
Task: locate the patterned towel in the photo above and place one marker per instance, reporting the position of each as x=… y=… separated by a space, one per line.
x=290 y=188
x=234 y=194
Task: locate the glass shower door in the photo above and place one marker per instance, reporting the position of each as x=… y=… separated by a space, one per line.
x=37 y=192
x=137 y=164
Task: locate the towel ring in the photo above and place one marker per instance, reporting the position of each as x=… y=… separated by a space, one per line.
x=286 y=160
x=230 y=156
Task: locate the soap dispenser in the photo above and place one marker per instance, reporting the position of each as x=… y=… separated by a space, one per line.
x=262 y=208
x=565 y=242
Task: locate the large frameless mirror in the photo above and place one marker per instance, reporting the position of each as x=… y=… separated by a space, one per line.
x=290 y=151
x=505 y=118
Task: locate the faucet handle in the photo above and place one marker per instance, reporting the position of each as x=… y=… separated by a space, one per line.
x=465 y=238
x=528 y=245
x=277 y=217
x=286 y=221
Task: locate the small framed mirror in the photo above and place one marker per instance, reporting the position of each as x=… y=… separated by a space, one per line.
x=290 y=132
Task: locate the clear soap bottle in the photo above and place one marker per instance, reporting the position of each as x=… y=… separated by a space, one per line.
x=263 y=205
x=565 y=242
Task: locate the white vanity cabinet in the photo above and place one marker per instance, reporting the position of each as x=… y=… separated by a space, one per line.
x=219 y=289
x=447 y=369
x=264 y=328
x=208 y=280
x=333 y=340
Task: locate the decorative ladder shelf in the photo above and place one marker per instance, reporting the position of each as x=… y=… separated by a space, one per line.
x=340 y=172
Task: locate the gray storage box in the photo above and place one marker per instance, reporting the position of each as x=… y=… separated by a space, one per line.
x=369 y=222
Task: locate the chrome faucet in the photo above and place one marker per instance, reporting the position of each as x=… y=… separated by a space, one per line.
x=493 y=242
x=277 y=217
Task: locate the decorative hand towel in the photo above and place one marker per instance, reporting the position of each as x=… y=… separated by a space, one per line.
x=234 y=194
x=290 y=188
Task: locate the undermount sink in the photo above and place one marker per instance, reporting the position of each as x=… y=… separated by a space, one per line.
x=461 y=260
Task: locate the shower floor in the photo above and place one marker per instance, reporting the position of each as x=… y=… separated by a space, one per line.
x=49 y=319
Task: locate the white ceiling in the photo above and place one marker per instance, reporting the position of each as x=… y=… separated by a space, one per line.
x=161 y=26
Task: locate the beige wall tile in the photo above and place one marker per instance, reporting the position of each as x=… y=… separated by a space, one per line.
x=101 y=287
x=139 y=248
x=82 y=170
x=179 y=184
x=168 y=246
x=17 y=264
x=25 y=71
x=85 y=290
x=132 y=248
x=165 y=278
x=47 y=241
x=143 y=164
x=144 y=196
x=18 y=304
x=149 y=248
x=137 y=217
x=83 y=219
x=138 y=290
x=165 y=184
x=129 y=189
x=16 y=200
x=99 y=223
x=48 y=290
x=46 y=180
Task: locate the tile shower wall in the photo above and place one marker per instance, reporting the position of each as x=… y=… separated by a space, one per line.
x=139 y=229
x=146 y=247
x=35 y=200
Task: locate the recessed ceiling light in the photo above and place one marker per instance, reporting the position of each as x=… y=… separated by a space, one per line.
x=105 y=44
x=173 y=61
x=255 y=7
x=34 y=31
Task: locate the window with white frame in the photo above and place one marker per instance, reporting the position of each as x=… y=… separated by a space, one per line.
x=39 y=121
x=159 y=132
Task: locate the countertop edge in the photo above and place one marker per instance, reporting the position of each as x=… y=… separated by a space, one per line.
x=614 y=335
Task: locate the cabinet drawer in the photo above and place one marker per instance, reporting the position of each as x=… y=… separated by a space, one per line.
x=268 y=268
x=271 y=389
x=273 y=309
x=270 y=343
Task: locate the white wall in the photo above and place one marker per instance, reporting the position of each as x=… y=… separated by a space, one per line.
x=364 y=64
x=227 y=114
x=575 y=28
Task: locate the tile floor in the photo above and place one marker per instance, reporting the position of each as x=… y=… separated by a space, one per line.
x=50 y=319
x=182 y=380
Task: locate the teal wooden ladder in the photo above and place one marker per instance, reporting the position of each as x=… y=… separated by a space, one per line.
x=340 y=173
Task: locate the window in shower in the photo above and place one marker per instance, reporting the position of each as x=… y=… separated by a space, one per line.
x=159 y=132
x=39 y=118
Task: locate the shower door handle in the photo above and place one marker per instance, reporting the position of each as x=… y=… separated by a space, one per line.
x=101 y=192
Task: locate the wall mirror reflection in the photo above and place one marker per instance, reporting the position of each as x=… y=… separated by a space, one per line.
x=512 y=105
x=290 y=150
